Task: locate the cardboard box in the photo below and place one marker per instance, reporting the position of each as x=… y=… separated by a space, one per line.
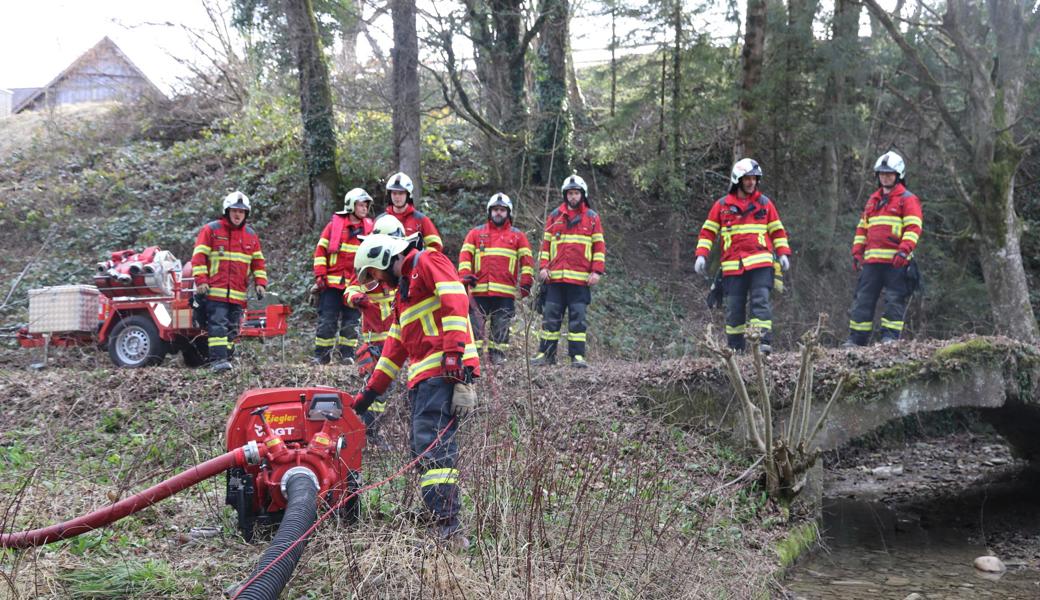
x=63 y=308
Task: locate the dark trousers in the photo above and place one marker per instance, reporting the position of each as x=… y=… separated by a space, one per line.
x=222 y=321
x=374 y=414
x=499 y=311
x=749 y=288
x=873 y=279
x=438 y=482
x=575 y=300
x=337 y=326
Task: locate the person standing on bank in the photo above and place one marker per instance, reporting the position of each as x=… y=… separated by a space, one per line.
x=883 y=252
x=227 y=252
x=333 y=270
x=752 y=239
x=571 y=261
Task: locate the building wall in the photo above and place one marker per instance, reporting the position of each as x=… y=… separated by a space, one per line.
x=5 y=103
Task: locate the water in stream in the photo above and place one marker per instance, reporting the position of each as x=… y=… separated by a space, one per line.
x=877 y=550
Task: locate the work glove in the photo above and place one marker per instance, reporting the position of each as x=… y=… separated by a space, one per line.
x=900 y=260
x=525 y=291
x=701 y=266
x=451 y=366
x=464 y=400
x=202 y=289
x=785 y=263
x=362 y=400
x=857 y=262
x=260 y=291
x=469 y=280
x=320 y=282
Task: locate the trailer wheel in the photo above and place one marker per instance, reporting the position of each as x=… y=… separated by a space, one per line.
x=135 y=343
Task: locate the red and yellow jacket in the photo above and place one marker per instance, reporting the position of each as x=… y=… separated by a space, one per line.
x=225 y=257
x=572 y=245
x=414 y=221
x=751 y=232
x=889 y=225
x=378 y=315
x=499 y=256
x=337 y=267
x=431 y=317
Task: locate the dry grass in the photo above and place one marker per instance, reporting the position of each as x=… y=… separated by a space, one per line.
x=573 y=489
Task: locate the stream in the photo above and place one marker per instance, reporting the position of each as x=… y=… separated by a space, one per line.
x=913 y=527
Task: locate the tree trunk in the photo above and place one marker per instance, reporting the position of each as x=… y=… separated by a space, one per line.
x=319 y=132
x=842 y=56
x=553 y=145
x=752 y=58
x=613 y=57
x=406 y=93
x=348 y=64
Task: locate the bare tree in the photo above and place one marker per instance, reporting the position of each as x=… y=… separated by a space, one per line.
x=752 y=58
x=406 y=92
x=980 y=106
x=319 y=133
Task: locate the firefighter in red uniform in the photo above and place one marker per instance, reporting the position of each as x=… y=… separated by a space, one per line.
x=752 y=239
x=883 y=251
x=430 y=330
x=333 y=270
x=496 y=264
x=402 y=206
x=227 y=251
x=375 y=301
x=570 y=262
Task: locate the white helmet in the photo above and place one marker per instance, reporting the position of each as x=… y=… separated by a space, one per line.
x=387 y=224
x=573 y=182
x=236 y=199
x=890 y=162
x=377 y=252
x=399 y=182
x=353 y=197
x=743 y=168
x=500 y=199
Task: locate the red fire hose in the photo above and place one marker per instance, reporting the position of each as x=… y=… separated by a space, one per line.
x=239 y=457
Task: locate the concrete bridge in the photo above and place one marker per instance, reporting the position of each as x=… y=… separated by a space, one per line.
x=998 y=376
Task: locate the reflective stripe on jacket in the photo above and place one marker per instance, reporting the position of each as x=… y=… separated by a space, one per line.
x=415 y=221
x=499 y=256
x=889 y=225
x=572 y=245
x=224 y=257
x=750 y=230
x=338 y=266
x=431 y=317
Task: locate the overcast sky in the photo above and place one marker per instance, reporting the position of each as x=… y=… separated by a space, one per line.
x=39 y=38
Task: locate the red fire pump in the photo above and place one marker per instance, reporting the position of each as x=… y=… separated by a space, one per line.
x=310 y=431
x=291 y=451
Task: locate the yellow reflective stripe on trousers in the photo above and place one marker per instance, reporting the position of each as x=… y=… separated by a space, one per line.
x=218 y=342
x=576 y=337
x=861 y=325
x=377 y=407
x=439 y=477
x=324 y=342
x=735 y=330
x=761 y=323
x=896 y=325
x=550 y=335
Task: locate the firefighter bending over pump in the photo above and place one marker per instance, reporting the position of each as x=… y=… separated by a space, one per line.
x=431 y=330
x=496 y=264
x=333 y=270
x=752 y=239
x=227 y=251
x=883 y=253
x=570 y=262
